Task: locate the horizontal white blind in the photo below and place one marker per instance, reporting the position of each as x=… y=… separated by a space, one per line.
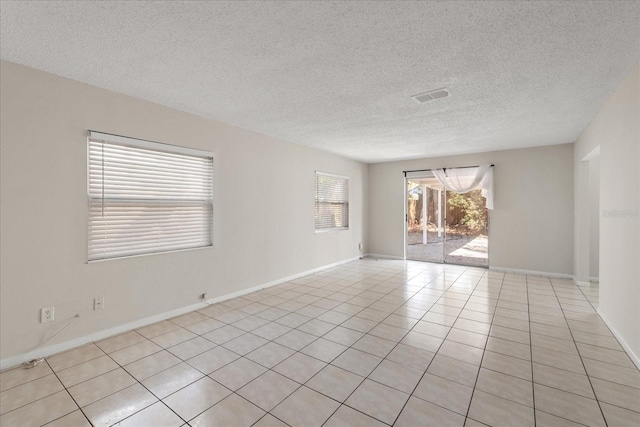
x=332 y=202
x=146 y=198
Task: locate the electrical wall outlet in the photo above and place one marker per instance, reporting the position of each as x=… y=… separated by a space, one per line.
x=47 y=314
x=98 y=303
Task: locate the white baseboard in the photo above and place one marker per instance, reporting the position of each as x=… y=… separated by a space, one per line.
x=581 y=282
x=594 y=279
x=383 y=256
x=634 y=357
x=18 y=359
x=532 y=272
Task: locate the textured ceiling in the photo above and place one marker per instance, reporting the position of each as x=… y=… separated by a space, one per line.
x=338 y=76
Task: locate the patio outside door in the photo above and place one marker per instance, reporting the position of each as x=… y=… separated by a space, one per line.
x=444 y=226
x=467 y=229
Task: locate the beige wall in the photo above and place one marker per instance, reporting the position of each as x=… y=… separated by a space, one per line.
x=531 y=226
x=616 y=129
x=263 y=221
x=263 y=204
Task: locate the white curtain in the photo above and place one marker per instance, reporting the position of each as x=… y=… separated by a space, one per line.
x=463 y=180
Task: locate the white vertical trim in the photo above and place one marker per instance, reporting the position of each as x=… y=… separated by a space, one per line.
x=424 y=214
x=440 y=214
x=405 y=218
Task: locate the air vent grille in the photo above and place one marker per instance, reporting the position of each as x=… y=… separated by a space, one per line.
x=430 y=96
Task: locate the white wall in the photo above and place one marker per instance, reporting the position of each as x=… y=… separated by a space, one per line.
x=531 y=225
x=616 y=129
x=263 y=204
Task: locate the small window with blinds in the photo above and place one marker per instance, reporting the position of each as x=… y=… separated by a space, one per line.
x=146 y=197
x=332 y=202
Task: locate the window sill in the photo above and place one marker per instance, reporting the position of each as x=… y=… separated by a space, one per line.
x=93 y=261
x=331 y=230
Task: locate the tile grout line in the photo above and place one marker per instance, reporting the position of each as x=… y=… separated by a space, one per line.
x=31 y=381
x=391 y=284
x=121 y=366
x=139 y=382
x=484 y=351
x=435 y=353
x=581 y=361
x=245 y=332
x=329 y=363
x=533 y=386
x=70 y=395
x=317 y=338
x=397 y=343
x=381 y=358
x=384 y=358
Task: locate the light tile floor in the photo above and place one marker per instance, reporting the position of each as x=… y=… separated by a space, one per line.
x=369 y=343
x=469 y=250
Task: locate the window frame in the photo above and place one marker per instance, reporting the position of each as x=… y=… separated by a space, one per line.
x=124 y=141
x=346 y=203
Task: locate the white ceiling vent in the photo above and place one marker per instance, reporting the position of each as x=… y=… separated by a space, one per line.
x=430 y=96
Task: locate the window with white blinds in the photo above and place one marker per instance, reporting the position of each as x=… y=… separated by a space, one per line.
x=332 y=202
x=146 y=197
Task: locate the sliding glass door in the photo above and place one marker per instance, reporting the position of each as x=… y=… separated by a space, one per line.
x=444 y=226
